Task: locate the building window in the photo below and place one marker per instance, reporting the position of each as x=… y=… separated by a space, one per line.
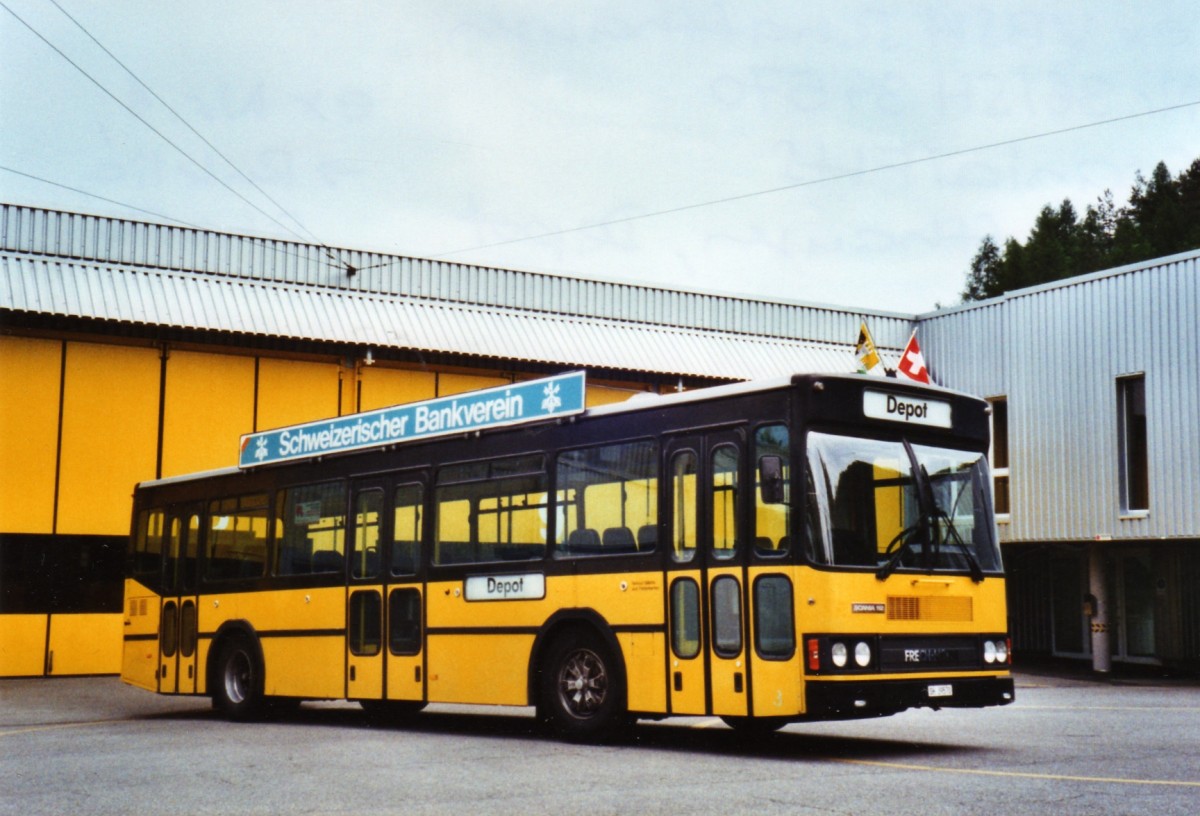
x=1000 y=456
x=1131 y=440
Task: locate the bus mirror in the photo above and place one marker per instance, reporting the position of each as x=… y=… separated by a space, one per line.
x=770 y=479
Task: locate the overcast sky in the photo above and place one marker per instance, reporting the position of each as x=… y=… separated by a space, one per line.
x=436 y=128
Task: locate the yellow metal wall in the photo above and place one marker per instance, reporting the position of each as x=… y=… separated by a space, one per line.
x=294 y=391
x=381 y=387
x=23 y=645
x=86 y=643
x=29 y=383
x=109 y=435
x=208 y=405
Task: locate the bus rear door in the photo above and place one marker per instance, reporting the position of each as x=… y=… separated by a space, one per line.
x=178 y=621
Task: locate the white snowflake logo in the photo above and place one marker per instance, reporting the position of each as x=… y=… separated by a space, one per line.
x=552 y=402
x=261 y=452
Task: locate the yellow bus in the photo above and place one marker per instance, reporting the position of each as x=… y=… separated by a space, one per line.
x=812 y=548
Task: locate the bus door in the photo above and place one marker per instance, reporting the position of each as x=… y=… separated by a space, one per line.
x=178 y=623
x=365 y=593
x=385 y=643
x=707 y=659
x=405 y=605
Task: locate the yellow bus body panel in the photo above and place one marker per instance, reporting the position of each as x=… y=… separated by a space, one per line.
x=301 y=632
x=139 y=655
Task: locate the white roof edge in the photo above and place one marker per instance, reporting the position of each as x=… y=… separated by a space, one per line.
x=1063 y=283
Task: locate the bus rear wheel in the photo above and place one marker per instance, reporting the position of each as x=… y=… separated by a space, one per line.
x=238 y=687
x=581 y=692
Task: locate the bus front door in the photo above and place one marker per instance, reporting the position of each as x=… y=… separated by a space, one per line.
x=178 y=623
x=385 y=634
x=707 y=655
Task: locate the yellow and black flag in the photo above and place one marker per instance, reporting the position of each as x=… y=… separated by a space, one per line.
x=865 y=351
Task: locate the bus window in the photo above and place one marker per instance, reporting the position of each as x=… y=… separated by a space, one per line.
x=865 y=509
x=314 y=530
x=772 y=534
x=237 y=538
x=406 y=529
x=366 y=623
x=404 y=621
x=607 y=500
x=685 y=618
x=683 y=511
x=727 y=616
x=146 y=559
x=774 y=627
x=491 y=511
x=368 y=514
x=724 y=501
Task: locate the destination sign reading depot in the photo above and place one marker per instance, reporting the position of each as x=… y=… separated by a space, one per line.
x=531 y=401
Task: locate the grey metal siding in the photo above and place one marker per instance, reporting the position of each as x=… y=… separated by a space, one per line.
x=1056 y=352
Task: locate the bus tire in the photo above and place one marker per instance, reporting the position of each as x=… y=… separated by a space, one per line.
x=238 y=675
x=582 y=695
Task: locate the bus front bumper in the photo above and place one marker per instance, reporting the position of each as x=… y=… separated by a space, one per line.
x=829 y=700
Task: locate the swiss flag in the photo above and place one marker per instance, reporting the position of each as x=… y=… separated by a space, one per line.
x=912 y=364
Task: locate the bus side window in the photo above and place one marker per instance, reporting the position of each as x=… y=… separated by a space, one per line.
x=683 y=506
x=238 y=529
x=406 y=529
x=772 y=499
x=314 y=530
x=723 y=499
x=147 y=550
x=493 y=510
x=607 y=499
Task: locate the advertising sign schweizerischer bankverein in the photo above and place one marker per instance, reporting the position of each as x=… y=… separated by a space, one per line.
x=531 y=401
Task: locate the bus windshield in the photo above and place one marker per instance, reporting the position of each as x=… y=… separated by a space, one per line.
x=891 y=505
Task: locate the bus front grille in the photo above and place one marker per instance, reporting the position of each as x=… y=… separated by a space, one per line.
x=957 y=608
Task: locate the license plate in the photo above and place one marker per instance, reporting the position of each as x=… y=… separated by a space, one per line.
x=941 y=691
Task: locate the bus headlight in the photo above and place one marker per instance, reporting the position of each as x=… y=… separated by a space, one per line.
x=839 y=655
x=995 y=651
x=862 y=654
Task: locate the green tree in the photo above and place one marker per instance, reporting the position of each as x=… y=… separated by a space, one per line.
x=1161 y=218
x=983 y=281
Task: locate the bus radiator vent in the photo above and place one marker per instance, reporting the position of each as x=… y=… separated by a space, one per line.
x=956 y=608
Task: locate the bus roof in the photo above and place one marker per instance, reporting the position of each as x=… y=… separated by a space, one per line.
x=642 y=401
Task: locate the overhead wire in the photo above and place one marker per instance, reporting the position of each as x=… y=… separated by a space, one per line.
x=187 y=124
x=813 y=182
x=275 y=246
x=127 y=206
x=159 y=133
x=552 y=233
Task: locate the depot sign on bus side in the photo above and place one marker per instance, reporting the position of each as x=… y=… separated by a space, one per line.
x=531 y=401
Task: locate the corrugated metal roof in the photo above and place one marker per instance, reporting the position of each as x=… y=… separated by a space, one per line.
x=108 y=241
x=188 y=300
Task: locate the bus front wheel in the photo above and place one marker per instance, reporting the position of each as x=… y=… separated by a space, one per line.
x=238 y=687
x=581 y=693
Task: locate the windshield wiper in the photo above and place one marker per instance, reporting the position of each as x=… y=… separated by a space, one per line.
x=964 y=548
x=927 y=523
x=952 y=534
x=904 y=538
